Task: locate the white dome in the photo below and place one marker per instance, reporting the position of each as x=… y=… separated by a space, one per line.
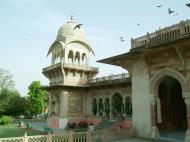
x=68 y=29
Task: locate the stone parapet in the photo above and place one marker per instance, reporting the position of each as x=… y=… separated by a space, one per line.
x=169 y=33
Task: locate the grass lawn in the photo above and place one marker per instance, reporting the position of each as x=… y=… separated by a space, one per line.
x=12 y=130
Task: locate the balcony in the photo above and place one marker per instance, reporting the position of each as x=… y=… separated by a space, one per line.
x=71 y=66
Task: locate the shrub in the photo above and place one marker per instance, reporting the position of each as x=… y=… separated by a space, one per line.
x=82 y=124
x=5 y=120
x=71 y=125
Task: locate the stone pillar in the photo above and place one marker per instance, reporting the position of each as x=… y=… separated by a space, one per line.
x=49 y=105
x=154 y=131
x=186 y=97
x=104 y=108
x=52 y=60
x=111 y=111
x=97 y=114
x=124 y=107
x=63 y=110
x=63 y=104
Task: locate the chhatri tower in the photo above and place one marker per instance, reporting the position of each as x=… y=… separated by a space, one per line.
x=68 y=73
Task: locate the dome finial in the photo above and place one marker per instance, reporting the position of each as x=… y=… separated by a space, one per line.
x=71 y=16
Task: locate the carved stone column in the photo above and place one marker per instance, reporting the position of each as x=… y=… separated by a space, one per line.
x=124 y=108
x=63 y=105
x=104 y=108
x=111 y=110
x=97 y=114
x=186 y=97
x=49 y=105
x=155 y=131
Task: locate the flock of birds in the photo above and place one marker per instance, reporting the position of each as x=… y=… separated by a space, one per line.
x=122 y=39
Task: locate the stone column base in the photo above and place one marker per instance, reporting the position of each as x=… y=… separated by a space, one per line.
x=57 y=122
x=187 y=136
x=155 y=132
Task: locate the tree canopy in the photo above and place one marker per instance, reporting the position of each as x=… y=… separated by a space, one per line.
x=5 y=96
x=17 y=106
x=6 y=90
x=36 y=97
x=6 y=80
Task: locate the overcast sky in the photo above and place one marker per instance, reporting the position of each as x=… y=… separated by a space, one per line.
x=29 y=27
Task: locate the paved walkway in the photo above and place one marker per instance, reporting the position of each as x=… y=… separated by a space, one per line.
x=141 y=140
x=168 y=136
x=161 y=139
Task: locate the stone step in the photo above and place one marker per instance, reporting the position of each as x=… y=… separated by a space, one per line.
x=105 y=124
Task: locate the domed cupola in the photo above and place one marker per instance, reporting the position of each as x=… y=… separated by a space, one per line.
x=70 y=57
x=68 y=31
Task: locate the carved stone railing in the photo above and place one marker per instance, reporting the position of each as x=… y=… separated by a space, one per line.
x=52 y=67
x=109 y=78
x=169 y=33
x=73 y=66
x=76 y=66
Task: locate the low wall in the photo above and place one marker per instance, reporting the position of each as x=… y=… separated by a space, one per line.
x=57 y=123
x=95 y=121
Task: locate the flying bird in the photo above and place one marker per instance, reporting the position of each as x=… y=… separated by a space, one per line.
x=122 y=39
x=77 y=26
x=170 y=11
x=159 y=6
x=138 y=24
x=188 y=4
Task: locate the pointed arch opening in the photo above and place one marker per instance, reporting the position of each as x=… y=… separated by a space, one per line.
x=172 y=116
x=77 y=57
x=117 y=100
x=128 y=106
x=70 y=56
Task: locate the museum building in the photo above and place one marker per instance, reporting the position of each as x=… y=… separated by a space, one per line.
x=154 y=95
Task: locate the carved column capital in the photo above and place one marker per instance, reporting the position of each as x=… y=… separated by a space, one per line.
x=153 y=99
x=187 y=101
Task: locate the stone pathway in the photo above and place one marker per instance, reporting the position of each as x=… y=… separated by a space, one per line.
x=135 y=139
x=141 y=140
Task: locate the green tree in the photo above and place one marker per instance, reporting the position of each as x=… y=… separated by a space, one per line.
x=5 y=96
x=6 y=81
x=36 y=98
x=17 y=106
x=10 y=101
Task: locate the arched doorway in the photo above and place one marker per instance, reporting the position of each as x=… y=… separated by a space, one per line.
x=171 y=108
x=117 y=105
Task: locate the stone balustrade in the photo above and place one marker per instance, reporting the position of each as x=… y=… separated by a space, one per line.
x=51 y=67
x=109 y=78
x=169 y=33
x=73 y=66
